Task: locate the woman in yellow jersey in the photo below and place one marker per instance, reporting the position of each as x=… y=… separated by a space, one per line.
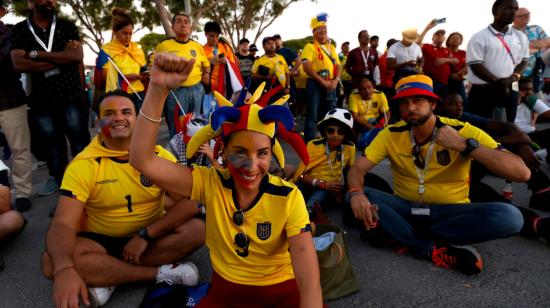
x=121 y=62
x=257 y=224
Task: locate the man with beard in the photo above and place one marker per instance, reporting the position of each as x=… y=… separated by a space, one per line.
x=49 y=49
x=273 y=69
x=430 y=213
x=110 y=226
x=496 y=55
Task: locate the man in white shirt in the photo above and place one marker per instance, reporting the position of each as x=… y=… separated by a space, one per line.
x=496 y=55
x=405 y=56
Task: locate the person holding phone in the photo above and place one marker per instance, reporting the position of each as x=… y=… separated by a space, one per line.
x=430 y=213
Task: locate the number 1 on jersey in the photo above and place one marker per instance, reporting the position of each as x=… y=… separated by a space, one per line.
x=129 y=199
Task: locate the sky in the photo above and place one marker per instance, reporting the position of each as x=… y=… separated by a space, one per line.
x=385 y=18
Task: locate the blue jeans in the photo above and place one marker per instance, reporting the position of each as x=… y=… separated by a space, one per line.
x=457 y=224
x=190 y=99
x=319 y=102
x=51 y=126
x=312 y=195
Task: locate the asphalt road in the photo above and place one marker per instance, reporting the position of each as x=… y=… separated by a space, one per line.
x=516 y=274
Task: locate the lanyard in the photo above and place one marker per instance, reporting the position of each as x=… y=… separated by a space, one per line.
x=365 y=59
x=422 y=172
x=39 y=40
x=367 y=105
x=329 y=161
x=500 y=37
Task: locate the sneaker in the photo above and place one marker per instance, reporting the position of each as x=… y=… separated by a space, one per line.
x=540 y=200
x=186 y=274
x=50 y=187
x=23 y=204
x=465 y=259
x=100 y=295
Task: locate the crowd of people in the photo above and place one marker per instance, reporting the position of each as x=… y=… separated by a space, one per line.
x=131 y=210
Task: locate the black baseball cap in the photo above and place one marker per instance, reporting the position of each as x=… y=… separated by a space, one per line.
x=267 y=39
x=252 y=47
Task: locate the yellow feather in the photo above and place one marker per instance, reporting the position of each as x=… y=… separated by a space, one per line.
x=222 y=101
x=281 y=100
x=259 y=91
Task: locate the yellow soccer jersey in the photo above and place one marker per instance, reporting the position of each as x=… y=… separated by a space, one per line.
x=188 y=50
x=277 y=66
x=319 y=166
x=345 y=76
x=118 y=200
x=318 y=55
x=373 y=108
x=447 y=177
x=278 y=213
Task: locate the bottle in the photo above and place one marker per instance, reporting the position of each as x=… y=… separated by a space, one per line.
x=507 y=192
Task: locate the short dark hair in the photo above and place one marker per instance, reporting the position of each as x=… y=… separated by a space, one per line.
x=113 y=93
x=391 y=42
x=450 y=95
x=524 y=80
x=212 y=26
x=496 y=5
x=367 y=77
x=374 y=37
x=179 y=14
x=277 y=37
x=345 y=43
x=244 y=40
x=361 y=32
x=267 y=39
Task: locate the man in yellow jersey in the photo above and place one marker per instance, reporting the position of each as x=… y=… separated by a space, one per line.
x=322 y=65
x=273 y=69
x=191 y=91
x=370 y=110
x=430 y=157
x=109 y=227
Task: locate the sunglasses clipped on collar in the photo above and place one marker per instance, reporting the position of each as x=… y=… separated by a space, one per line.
x=418 y=159
x=241 y=240
x=332 y=130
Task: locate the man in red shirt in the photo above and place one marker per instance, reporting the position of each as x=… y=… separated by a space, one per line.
x=437 y=59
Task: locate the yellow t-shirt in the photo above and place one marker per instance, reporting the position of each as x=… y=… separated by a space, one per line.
x=319 y=166
x=301 y=78
x=373 y=108
x=318 y=55
x=345 y=76
x=278 y=214
x=188 y=50
x=118 y=200
x=448 y=174
x=277 y=66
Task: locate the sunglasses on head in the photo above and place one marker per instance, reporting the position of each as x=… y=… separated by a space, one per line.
x=417 y=157
x=241 y=240
x=332 y=130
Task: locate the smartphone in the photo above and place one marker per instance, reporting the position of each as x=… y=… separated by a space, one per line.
x=221 y=55
x=441 y=20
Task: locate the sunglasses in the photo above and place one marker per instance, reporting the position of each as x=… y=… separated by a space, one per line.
x=332 y=130
x=417 y=157
x=241 y=240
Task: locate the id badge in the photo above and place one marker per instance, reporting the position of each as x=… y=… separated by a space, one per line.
x=51 y=72
x=420 y=210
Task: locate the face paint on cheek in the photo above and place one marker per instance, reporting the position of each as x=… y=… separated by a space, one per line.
x=105 y=124
x=239 y=161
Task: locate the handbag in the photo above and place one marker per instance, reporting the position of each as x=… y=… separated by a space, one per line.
x=337 y=276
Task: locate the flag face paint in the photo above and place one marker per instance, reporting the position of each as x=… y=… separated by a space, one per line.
x=105 y=125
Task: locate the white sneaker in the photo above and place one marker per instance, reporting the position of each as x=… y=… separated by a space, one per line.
x=186 y=274
x=100 y=295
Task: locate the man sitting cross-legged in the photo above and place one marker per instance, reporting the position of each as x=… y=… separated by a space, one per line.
x=110 y=227
x=430 y=158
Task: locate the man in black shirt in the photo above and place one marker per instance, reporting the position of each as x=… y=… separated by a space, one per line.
x=246 y=60
x=49 y=49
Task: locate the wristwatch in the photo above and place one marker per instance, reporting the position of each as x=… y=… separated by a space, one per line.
x=471 y=145
x=145 y=235
x=33 y=54
x=516 y=76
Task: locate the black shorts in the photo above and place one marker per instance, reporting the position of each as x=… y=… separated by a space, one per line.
x=113 y=245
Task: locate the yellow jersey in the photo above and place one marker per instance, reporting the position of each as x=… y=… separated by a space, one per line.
x=448 y=174
x=322 y=57
x=278 y=213
x=368 y=109
x=320 y=167
x=276 y=64
x=188 y=50
x=118 y=200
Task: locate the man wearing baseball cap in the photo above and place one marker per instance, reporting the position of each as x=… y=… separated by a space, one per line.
x=430 y=213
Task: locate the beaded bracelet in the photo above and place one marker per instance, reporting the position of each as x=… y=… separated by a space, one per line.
x=148 y=118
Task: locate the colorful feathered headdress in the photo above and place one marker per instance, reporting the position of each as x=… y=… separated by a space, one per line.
x=274 y=121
